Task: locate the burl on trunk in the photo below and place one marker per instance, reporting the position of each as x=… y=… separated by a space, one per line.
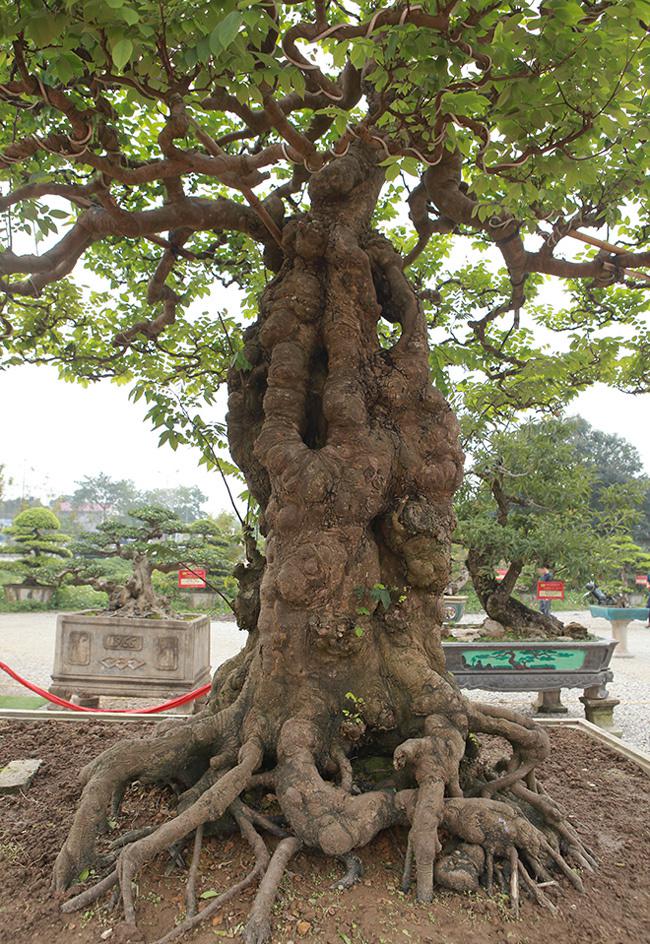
x=354 y=459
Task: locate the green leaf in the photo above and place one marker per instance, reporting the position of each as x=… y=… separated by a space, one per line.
x=210 y=893
x=358 y=631
x=83 y=876
x=43 y=29
x=224 y=33
x=122 y=52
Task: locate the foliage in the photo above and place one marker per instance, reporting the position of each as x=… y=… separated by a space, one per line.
x=167 y=143
x=528 y=498
x=186 y=501
x=616 y=462
x=35 y=537
x=110 y=495
x=158 y=539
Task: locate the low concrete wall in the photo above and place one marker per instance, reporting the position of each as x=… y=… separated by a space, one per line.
x=21 y=593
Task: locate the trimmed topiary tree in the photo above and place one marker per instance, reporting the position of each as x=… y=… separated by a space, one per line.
x=35 y=537
x=155 y=539
x=528 y=499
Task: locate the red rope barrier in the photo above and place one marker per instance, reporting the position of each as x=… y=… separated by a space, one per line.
x=173 y=703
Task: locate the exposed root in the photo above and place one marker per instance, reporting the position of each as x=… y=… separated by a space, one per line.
x=434 y=760
x=261 y=863
x=534 y=889
x=258 y=926
x=264 y=822
x=106 y=776
x=190 y=890
x=455 y=841
x=211 y=805
x=530 y=743
x=90 y=894
x=514 y=881
x=353 y=873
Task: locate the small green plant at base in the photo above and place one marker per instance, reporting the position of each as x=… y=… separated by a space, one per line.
x=354 y=712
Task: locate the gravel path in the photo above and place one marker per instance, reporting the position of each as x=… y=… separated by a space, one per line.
x=27 y=645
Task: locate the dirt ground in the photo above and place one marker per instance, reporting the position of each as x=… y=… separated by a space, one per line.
x=608 y=797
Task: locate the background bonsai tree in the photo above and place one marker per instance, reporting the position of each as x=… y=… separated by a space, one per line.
x=156 y=540
x=271 y=144
x=528 y=499
x=35 y=537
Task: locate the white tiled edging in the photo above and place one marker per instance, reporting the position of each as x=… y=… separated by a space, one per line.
x=25 y=714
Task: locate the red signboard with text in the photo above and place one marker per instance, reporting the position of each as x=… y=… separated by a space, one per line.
x=501 y=572
x=192 y=579
x=641 y=580
x=550 y=589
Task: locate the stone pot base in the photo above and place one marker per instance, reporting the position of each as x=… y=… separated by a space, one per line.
x=129 y=658
x=23 y=593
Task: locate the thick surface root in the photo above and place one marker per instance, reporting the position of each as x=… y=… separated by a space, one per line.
x=469 y=825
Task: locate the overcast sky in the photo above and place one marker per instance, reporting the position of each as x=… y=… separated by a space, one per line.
x=53 y=433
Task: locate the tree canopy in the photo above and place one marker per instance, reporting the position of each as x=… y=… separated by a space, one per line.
x=167 y=147
x=528 y=499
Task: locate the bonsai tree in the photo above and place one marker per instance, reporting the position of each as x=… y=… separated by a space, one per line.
x=158 y=540
x=270 y=145
x=528 y=499
x=35 y=537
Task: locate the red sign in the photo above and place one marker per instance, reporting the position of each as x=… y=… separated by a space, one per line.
x=501 y=572
x=192 y=579
x=550 y=589
x=641 y=580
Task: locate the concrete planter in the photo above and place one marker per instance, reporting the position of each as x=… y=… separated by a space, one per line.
x=454 y=608
x=23 y=593
x=199 y=599
x=542 y=666
x=124 y=657
x=620 y=618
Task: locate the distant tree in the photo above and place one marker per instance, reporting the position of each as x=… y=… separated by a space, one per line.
x=35 y=538
x=186 y=501
x=110 y=495
x=157 y=540
x=616 y=461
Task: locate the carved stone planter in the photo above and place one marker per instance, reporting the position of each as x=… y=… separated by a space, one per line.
x=454 y=608
x=24 y=593
x=545 y=666
x=620 y=618
x=124 y=657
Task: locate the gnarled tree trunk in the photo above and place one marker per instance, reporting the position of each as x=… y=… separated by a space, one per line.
x=498 y=602
x=354 y=459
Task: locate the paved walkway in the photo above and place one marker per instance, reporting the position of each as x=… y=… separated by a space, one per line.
x=27 y=645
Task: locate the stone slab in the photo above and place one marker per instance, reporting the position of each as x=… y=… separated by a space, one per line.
x=18 y=774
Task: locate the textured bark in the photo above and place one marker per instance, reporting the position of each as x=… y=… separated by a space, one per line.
x=354 y=459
